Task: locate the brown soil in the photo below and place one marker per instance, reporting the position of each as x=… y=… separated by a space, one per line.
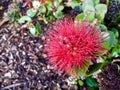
x=109 y=79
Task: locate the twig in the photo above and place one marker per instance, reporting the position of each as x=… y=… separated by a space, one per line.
x=13 y=85
x=116 y=60
x=3 y=21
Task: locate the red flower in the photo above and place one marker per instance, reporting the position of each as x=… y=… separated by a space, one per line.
x=28 y=2
x=52 y=1
x=43 y=1
x=70 y=45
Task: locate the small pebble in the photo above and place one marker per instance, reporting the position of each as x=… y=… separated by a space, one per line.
x=8 y=75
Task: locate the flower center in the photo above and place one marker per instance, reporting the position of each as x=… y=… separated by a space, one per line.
x=74 y=48
x=74 y=51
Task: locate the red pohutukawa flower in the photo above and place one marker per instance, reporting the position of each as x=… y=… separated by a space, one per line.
x=43 y=1
x=70 y=45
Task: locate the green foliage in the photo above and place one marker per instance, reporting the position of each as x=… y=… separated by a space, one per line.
x=96 y=2
x=91 y=82
x=14 y=13
x=82 y=72
x=101 y=10
x=31 y=12
x=115 y=52
x=73 y=3
x=93 y=68
x=57 y=14
x=35 y=29
x=116 y=33
x=91 y=16
x=24 y=18
x=103 y=27
x=32 y=30
x=110 y=41
x=92 y=9
x=52 y=9
x=38 y=28
x=79 y=16
x=41 y=10
x=56 y=3
x=46 y=11
x=88 y=6
x=80 y=82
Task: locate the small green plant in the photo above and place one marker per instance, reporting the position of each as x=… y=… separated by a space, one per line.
x=46 y=11
x=92 y=9
x=73 y=3
x=13 y=13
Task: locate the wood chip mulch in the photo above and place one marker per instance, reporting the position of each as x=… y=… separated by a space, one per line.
x=22 y=62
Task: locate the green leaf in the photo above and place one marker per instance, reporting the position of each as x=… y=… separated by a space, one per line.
x=56 y=3
x=24 y=18
x=88 y=8
x=91 y=82
x=60 y=8
x=42 y=9
x=44 y=19
x=38 y=28
x=90 y=16
x=60 y=1
x=90 y=88
x=115 y=31
x=80 y=82
x=110 y=41
x=73 y=3
x=49 y=6
x=31 y=12
x=93 y=68
x=57 y=14
x=79 y=16
x=32 y=30
x=11 y=15
x=83 y=69
x=101 y=10
x=50 y=16
x=96 y=2
x=103 y=27
x=88 y=2
x=115 y=51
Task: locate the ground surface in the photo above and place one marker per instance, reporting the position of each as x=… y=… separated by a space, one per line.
x=22 y=61
x=23 y=65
